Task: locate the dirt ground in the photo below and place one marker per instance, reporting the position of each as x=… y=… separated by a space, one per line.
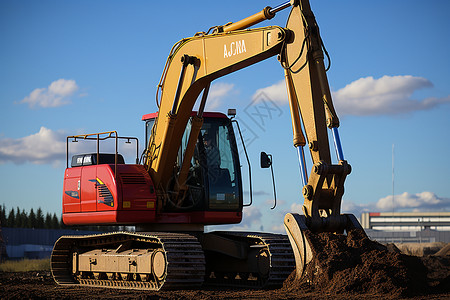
x=346 y=267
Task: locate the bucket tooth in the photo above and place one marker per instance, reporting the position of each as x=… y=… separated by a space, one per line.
x=298 y=233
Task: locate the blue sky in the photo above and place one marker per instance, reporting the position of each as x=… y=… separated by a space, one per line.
x=70 y=67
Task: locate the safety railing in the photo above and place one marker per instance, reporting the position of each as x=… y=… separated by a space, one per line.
x=102 y=136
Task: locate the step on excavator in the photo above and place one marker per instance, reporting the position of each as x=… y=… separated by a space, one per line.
x=189 y=174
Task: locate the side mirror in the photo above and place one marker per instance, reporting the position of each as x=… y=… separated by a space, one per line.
x=266 y=160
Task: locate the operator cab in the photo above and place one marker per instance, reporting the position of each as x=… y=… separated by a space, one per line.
x=214 y=178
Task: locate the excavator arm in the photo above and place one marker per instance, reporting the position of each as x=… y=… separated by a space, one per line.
x=195 y=62
x=310 y=100
x=192 y=65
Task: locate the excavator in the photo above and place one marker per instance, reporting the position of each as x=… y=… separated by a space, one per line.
x=189 y=175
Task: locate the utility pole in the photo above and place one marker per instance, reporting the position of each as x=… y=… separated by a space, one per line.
x=393 y=195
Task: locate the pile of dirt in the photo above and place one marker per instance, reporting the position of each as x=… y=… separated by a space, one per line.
x=438 y=272
x=353 y=263
x=344 y=267
x=445 y=251
x=420 y=249
x=40 y=285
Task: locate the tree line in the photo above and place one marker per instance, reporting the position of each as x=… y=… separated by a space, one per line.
x=17 y=218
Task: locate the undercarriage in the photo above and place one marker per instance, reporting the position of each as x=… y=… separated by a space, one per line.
x=154 y=261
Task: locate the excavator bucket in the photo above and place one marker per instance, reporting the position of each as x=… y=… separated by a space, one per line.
x=312 y=109
x=302 y=238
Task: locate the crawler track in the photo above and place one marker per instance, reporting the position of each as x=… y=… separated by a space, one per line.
x=185 y=267
x=280 y=259
x=185 y=264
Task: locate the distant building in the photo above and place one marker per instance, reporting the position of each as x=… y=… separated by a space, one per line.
x=3 y=254
x=407 y=227
x=34 y=243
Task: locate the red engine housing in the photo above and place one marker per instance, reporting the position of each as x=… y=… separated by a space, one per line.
x=102 y=195
x=95 y=195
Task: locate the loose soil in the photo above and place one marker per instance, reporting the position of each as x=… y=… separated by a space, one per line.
x=347 y=267
x=355 y=264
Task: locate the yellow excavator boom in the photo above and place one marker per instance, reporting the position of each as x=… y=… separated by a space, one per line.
x=195 y=62
x=192 y=65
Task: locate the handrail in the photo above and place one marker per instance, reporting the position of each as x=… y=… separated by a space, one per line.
x=101 y=136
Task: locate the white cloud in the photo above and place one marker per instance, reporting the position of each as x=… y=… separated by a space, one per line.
x=58 y=93
x=425 y=201
x=278 y=228
x=270 y=202
x=217 y=93
x=258 y=193
x=49 y=147
x=276 y=92
x=46 y=146
x=297 y=207
x=357 y=209
x=278 y=215
x=252 y=215
x=387 y=95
